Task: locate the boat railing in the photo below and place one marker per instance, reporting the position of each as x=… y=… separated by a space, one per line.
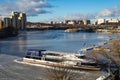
x=55 y=52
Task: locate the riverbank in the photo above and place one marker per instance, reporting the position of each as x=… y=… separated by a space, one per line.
x=110 y=53
x=77 y=29
x=108 y=31
x=8 y=32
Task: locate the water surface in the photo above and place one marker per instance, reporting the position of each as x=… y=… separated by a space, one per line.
x=57 y=40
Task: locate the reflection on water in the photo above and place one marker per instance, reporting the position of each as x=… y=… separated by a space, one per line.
x=56 y=40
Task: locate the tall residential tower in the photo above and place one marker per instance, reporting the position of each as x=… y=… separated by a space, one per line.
x=18 y=20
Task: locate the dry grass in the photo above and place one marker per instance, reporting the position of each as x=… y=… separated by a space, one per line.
x=113 y=55
x=58 y=73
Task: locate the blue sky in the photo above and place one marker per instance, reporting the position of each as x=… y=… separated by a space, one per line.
x=84 y=6
x=62 y=9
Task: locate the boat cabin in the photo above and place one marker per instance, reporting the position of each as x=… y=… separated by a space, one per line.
x=34 y=53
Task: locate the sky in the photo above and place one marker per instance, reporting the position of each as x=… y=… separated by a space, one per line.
x=60 y=10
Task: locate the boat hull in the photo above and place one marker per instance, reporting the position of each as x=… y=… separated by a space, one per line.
x=59 y=65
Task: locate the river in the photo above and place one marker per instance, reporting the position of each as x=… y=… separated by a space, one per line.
x=55 y=40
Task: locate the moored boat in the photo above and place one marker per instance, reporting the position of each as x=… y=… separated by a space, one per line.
x=56 y=56
x=58 y=59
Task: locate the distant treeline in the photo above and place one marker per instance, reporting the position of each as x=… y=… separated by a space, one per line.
x=8 y=32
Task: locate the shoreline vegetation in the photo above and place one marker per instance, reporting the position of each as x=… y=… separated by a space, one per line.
x=111 y=52
x=8 y=32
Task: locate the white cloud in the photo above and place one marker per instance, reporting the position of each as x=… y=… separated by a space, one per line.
x=31 y=7
x=110 y=12
x=78 y=16
x=106 y=13
x=36 y=7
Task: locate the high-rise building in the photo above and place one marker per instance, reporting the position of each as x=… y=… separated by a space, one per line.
x=1 y=24
x=22 y=20
x=19 y=23
x=6 y=22
x=14 y=19
x=11 y=23
x=18 y=20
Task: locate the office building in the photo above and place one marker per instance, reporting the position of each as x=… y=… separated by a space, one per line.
x=113 y=21
x=86 y=22
x=100 y=21
x=72 y=23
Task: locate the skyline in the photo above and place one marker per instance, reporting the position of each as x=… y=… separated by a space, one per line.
x=59 y=10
